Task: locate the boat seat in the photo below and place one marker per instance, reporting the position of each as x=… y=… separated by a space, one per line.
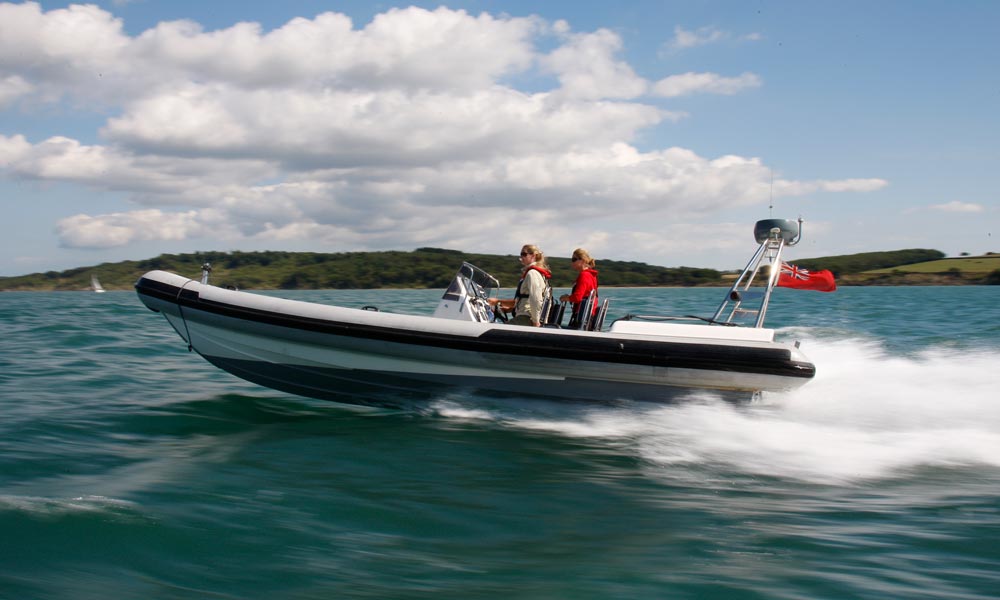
x=552 y=312
x=598 y=321
x=556 y=315
x=585 y=309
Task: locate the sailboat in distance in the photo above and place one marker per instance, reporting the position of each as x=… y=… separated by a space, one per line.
x=95 y=284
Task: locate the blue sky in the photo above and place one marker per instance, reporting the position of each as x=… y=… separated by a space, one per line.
x=653 y=131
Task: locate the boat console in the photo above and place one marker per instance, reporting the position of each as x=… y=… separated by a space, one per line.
x=467 y=297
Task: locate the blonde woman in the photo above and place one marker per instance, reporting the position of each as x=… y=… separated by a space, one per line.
x=586 y=281
x=532 y=289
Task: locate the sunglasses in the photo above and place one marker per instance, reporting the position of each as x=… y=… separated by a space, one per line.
x=527 y=254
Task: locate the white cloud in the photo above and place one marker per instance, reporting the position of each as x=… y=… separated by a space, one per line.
x=800 y=188
x=353 y=128
x=13 y=149
x=684 y=39
x=957 y=206
x=587 y=69
x=82 y=51
x=75 y=50
x=402 y=133
x=690 y=39
x=566 y=193
x=13 y=87
x=403 y=48
x=711 y=83
x=168 y=179
x=84 y=231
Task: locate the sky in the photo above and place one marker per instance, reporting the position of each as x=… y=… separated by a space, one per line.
x=652 y=131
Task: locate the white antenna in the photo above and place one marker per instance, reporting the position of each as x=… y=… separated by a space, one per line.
x=770 y=202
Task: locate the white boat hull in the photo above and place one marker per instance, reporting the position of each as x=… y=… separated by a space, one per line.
x=353 y=355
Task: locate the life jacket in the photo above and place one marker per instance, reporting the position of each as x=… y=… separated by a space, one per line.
x=546 y=274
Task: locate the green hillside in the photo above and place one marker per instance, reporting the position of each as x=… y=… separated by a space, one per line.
x=434 y=268
x=965 y=264
x=909 y=267
x=867 y=261
x=421 y=268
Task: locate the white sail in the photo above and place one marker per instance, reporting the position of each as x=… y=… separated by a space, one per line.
x=96 y=285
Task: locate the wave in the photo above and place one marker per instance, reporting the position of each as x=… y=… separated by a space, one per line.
x=869 y=414
x=54 y=507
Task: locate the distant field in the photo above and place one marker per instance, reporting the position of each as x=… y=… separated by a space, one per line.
x=971 y=264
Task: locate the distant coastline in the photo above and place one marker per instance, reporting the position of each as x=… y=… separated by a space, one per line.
x=429 y=268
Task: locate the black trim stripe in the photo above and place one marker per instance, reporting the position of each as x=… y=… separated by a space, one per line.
x=517 y=341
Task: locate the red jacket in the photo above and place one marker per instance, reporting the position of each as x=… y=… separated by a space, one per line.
x=585 y=282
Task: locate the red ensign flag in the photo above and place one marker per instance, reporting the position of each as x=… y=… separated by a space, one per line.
x=801 y=279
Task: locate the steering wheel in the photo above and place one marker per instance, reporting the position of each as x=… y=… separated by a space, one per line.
x=499 y=316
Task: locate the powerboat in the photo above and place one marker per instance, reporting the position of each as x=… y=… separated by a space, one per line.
x=356 y=355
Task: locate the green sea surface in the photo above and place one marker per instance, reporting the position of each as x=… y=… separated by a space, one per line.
x=131 y=468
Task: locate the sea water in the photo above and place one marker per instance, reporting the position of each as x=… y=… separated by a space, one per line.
x=131 y=468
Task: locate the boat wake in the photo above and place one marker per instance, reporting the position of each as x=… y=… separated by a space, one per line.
x=868 y=415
